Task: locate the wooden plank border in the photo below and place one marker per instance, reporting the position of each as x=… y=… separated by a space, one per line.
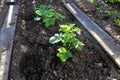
x=108 y=43
x=10 y=2
x=6 y=40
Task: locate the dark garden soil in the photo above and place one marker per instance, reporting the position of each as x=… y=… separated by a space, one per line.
x=35 y=59
x=97 y=10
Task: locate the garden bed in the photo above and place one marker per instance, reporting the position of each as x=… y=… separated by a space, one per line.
x=35 y=59
x=104 y=14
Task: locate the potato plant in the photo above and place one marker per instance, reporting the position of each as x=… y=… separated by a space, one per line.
x=67 y=37
x=48 y=15
x=92 y=1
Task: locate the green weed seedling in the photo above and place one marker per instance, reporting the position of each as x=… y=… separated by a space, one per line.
x=48 y=15
x=108 y=12
x=67 y=37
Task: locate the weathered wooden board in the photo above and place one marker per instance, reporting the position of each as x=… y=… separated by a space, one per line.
x=112 y=48
x=10 y=1
x=6 y=40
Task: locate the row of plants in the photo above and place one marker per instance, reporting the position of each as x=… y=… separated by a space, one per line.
x=107 y=1
x=116 y=15
x=67 y=33
x=113 y=13
x=112 y=1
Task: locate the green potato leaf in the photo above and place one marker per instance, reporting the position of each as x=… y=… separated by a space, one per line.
x=55 y=39
x=64 y=54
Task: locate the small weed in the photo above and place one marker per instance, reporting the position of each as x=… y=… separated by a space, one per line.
x=108 y=12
